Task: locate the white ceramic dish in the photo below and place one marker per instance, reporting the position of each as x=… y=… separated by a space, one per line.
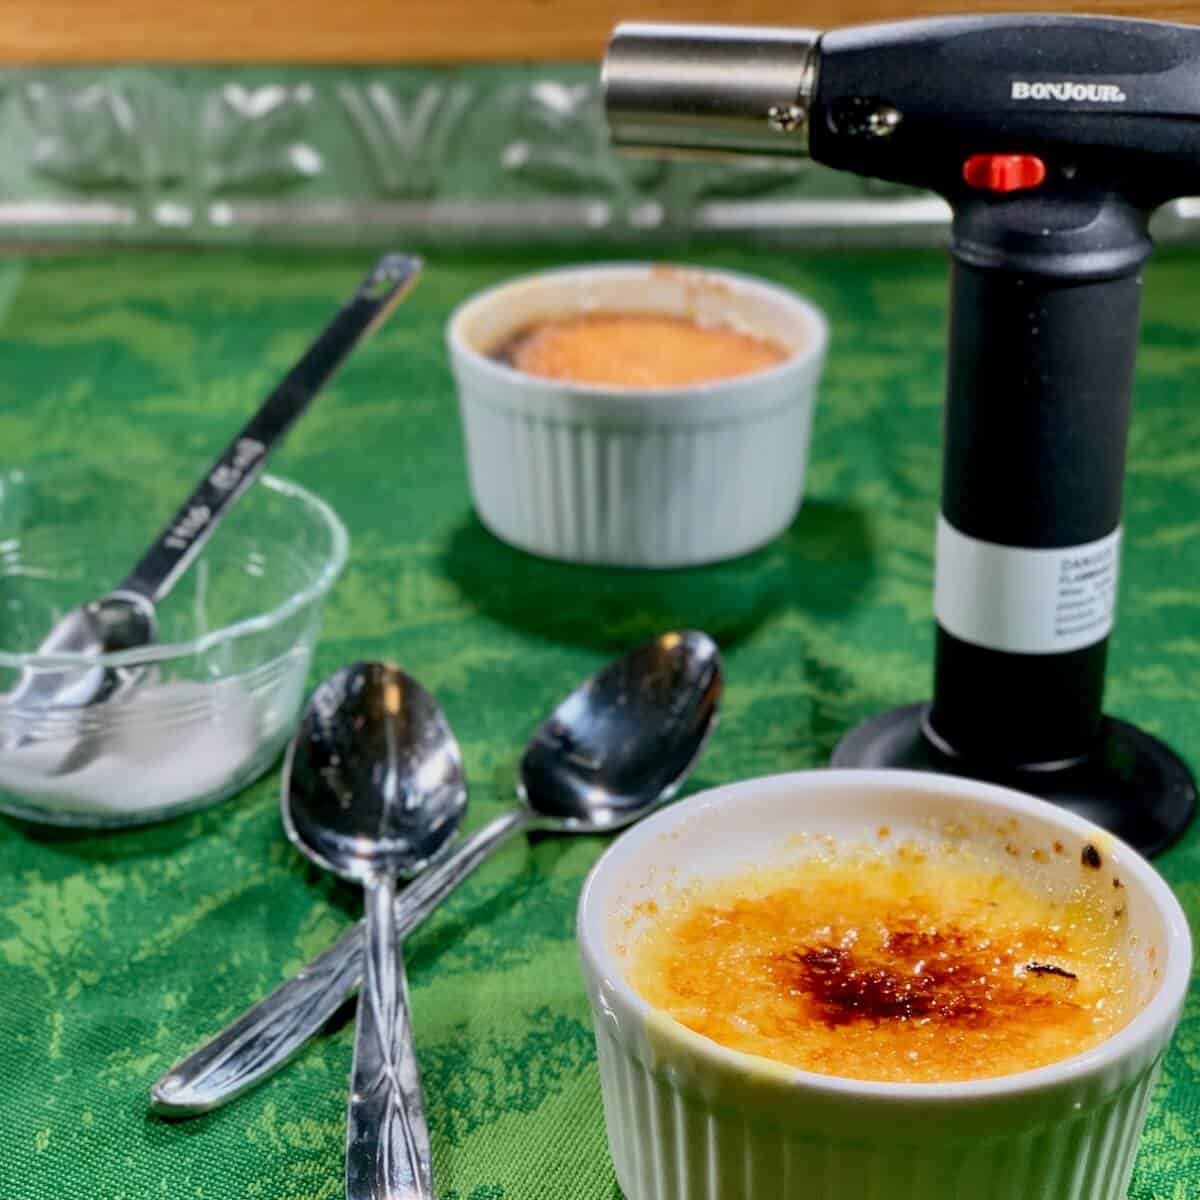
x=689 y=1119
x=633 y=476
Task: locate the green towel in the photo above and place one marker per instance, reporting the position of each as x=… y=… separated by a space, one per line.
x=119 y=953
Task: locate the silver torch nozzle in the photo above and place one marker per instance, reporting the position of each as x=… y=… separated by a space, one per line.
x=710 y=89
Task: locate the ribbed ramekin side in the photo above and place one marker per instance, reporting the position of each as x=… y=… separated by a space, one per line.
x=670 y=1143
x=642 y=497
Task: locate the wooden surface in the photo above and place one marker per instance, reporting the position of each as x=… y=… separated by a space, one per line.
x=60 y=31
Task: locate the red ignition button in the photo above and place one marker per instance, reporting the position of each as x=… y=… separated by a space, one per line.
x=1004 y=172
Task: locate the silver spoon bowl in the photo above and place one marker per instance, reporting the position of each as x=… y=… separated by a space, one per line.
x=626 y=739
x=614 y=750
x=374 y=789
x=373 y=779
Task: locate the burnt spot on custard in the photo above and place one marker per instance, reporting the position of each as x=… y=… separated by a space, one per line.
x=842 y=990
x=1091 y=857
x=1036 y=968
x=506 y=352
x=940 y=975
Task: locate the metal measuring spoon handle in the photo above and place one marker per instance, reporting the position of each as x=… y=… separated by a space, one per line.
x=267 y=1035
x=233 y=472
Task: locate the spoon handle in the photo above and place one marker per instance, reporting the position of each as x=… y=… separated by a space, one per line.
x=238 y=466
x=267 y=1035
x=387 y=1139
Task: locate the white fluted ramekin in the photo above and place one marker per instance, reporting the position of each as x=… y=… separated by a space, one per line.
x=689 y=1119
x=634 y=476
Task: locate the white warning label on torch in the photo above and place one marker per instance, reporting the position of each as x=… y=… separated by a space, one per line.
x=1025 y=601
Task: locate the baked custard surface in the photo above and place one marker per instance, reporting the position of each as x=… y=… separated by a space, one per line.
x=646 y=350
x=904 y=967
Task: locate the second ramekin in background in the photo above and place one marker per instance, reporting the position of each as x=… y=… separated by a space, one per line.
x=637 y=477
x=689 y=1119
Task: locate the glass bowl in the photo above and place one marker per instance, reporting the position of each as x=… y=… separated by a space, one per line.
x=220 y=690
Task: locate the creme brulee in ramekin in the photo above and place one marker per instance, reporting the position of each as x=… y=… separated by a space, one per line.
x=637 y=414
x=878 y=983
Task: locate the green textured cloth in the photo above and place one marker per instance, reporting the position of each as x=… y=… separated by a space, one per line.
x=118 y=953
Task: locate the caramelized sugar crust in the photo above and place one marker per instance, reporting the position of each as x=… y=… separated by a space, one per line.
x=637 y=350
x=905 y=967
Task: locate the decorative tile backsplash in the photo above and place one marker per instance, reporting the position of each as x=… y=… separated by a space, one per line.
x=364 y=155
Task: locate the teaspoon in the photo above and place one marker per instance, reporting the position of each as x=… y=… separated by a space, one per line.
x=374 y=788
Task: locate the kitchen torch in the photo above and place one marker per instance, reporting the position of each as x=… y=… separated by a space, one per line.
x=1053 y=138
